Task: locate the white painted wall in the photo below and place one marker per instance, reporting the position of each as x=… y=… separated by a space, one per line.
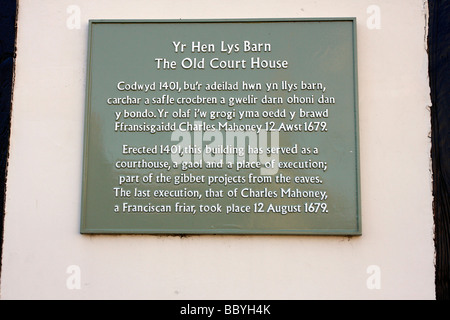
x=42 y=240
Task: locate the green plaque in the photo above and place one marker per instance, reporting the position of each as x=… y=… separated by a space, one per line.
x=222 y=127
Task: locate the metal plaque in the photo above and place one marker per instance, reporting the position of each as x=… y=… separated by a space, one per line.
x=222 y=127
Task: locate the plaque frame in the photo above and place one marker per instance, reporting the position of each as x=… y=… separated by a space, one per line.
x=86 y=227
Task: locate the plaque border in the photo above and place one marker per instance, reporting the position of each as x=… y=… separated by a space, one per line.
x=318 y=232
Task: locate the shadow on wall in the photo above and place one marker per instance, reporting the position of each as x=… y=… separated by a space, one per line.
x=439 y=68
x=7 y=54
